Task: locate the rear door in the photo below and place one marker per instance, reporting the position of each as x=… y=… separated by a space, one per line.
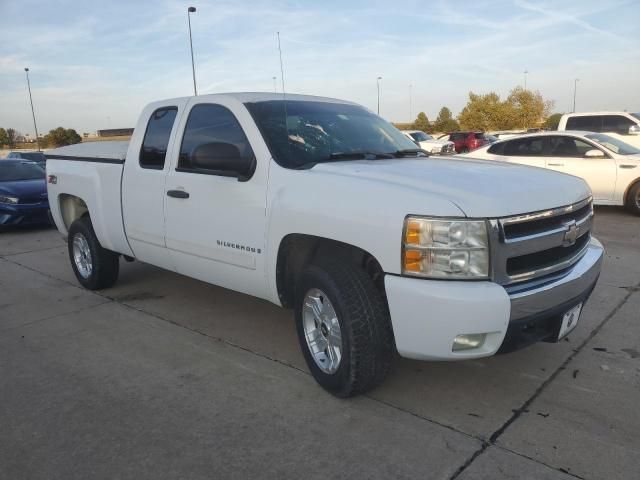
x=215 y=223
x=567 y=154
x=143 y=182
x=527 y=151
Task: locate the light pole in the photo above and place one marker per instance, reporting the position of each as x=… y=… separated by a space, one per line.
x=410 y=103
x=525 y=80
x=275 y=88
x=191 y=10
x=575 y=87
x=378 y=82
x=35 y=127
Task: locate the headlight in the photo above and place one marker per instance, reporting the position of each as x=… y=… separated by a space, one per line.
x=449 y=249
x=11 y=200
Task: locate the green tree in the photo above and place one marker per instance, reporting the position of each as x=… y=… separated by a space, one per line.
x=445 y=121
x=552 y=122
x=11 y=137
x=4 y=139
x=422 y=122
x=528 y=107
x=60 y=137
x=522 y=109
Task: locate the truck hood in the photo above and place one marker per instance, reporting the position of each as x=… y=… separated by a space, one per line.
x=480 y=188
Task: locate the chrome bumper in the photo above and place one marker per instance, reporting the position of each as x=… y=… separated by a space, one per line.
x=574 y=284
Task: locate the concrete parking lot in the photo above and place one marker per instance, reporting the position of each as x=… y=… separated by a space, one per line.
x=163 y=376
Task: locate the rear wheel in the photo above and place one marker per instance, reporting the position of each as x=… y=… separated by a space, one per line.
x=95 y=267
x=633 y=199
x=343 y=328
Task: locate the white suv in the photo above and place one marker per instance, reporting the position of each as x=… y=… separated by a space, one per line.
x=624 y=126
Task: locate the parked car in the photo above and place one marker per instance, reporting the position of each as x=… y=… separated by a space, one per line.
x=32 y=156
x=466 y=141
x=610 y=166
x=623 y=126
x=23 y=193
x=430 y=144
x=334 y=213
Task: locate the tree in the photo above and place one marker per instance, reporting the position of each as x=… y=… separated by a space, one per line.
x=11 y=137
x=422 y=122
x=529 y=108
x=4 y=139
x=60 y=137
x=552 y=122
x=445 y=121
x=522 y=109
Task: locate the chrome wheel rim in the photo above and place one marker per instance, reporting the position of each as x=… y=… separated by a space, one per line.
x=82 y=255
x=322 y=330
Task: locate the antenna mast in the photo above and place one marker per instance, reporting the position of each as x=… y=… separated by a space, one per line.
x=284 y=95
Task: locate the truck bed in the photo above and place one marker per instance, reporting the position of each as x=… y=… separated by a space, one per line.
x=89 y=174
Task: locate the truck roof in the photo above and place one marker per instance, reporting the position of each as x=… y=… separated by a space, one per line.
x=608 y=112
x=248 y=97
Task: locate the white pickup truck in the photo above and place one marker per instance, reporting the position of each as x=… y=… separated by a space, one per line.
x=319 y=205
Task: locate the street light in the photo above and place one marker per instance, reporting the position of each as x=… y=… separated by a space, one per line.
x=378 y=82
x=575 y=87
x=525 y=79
x=275 y=88
x=35 y=127
x=410 y=103
x=191 y=10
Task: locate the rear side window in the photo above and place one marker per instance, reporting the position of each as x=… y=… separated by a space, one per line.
x=156 y=138
x=216 y=126
x=590 y=123
x=497 y=148
x=524 y=147
x=616 y=124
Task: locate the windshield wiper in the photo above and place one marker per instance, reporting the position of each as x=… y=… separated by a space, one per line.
x=360 y=154
x=410 y=152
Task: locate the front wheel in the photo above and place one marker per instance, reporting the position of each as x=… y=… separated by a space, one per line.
x=343 y=328
x=95 y=267
x=633 y=199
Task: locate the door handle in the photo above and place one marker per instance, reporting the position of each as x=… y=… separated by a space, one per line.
x=556 y=164
x=177 y=194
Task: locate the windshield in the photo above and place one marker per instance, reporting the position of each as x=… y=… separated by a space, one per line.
x=321 y=132
x=35 y=156
x=613 y=144
x=420 y=136
x=15 y=171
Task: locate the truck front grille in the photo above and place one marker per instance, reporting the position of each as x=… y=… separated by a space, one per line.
x=540 y=244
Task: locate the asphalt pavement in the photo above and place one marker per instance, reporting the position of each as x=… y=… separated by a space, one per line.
x=163 y=376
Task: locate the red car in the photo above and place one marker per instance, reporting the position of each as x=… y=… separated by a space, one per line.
x=466 y=141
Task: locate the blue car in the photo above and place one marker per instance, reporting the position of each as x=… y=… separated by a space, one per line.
x=23 y=193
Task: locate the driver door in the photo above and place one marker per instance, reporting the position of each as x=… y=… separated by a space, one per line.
x=215 y=221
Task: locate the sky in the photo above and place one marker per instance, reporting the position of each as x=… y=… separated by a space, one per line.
x=95 y=64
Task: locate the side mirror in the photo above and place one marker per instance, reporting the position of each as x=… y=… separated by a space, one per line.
x=594 y=153
x=220 y=158
x=634 y=130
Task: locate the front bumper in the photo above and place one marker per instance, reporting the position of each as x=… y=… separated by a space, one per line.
x=427 y=315
x=24 y=214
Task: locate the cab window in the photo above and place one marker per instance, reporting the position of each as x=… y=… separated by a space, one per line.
x=156 y=138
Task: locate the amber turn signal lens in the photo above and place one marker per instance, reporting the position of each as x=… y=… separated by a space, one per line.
x=412 y=234
x=412 y=260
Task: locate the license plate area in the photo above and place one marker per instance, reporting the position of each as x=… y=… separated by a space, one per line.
x=569 y=321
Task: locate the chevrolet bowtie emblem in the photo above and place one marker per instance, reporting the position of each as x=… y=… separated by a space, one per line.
x=570 y=234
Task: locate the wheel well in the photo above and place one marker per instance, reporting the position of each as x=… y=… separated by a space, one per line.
x=71 y=208
x=298 y=250
x=626 y=193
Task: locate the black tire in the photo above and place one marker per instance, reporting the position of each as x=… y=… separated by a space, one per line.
x=367 y=338
x=464 y=150
x=633 y=199
x=105 y=264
